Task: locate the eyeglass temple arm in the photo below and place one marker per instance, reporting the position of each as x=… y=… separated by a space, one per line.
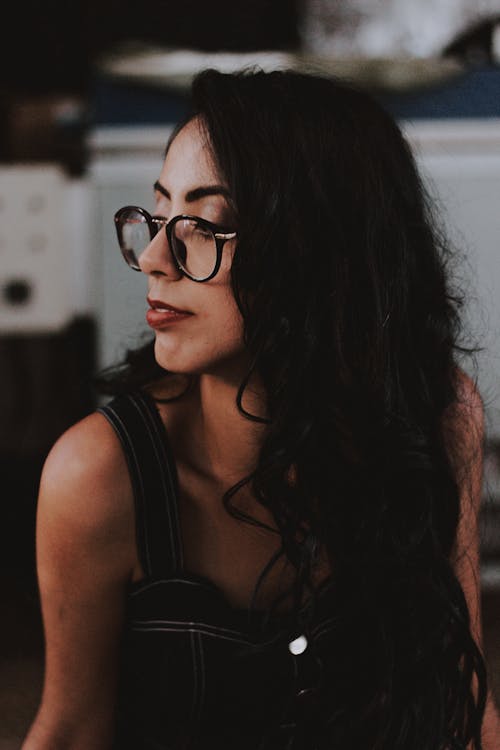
x=217 y=235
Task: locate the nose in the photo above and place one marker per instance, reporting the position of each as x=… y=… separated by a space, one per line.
x=157 y=258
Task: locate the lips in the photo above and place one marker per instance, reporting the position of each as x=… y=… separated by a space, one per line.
x=160 y=306
x=161 y=314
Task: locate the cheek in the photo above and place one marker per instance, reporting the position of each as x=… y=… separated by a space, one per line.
x=213 y=336
x=223 y=325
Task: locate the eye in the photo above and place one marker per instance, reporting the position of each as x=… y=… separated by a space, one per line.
x=202 y=231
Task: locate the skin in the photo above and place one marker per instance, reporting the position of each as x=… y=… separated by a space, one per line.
x=86 y=552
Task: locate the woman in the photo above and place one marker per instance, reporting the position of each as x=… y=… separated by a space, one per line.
x=268 y=538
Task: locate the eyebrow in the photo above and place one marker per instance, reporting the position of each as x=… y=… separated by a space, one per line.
x=196 y=193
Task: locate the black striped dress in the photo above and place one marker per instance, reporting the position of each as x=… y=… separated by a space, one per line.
x=197 y=673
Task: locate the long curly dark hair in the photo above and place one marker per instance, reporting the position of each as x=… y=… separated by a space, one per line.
x=344 y=283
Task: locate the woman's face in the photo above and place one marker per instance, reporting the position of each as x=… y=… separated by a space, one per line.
x=210 y=340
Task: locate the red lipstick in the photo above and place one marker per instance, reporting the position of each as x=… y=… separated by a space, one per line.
x=162 y=313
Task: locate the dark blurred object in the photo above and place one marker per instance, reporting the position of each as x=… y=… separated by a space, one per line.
x=45 y=128
x=490 y=509
x=44 y=47
x=490 y=531
x=477 y=45
x=45 y=387
x=50 y=46
x=214 y=26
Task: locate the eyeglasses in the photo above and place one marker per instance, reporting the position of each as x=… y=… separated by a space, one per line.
x=196 y=243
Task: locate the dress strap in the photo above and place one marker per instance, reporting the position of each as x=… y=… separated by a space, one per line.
x=151 y=465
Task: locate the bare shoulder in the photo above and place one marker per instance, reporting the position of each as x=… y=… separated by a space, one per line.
x=469 y=402
x=85 y=488
x=463 y=425
x=85 y=557
x=468 y=407
x=466 y=421
x=463 y=429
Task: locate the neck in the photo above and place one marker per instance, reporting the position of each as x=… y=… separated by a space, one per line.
x=223 y=443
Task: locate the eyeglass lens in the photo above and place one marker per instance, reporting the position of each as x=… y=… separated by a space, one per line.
x=134 y=235
x=194 y=247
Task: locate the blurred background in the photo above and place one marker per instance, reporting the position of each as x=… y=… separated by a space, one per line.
x=89 y=93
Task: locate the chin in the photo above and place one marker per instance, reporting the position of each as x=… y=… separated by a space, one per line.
x=219 y=363
x=170 y=361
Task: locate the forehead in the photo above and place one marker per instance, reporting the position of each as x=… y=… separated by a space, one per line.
x=189 y=161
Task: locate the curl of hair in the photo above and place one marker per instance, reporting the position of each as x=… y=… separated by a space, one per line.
x=344 y=285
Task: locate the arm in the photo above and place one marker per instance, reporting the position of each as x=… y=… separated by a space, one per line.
x=84 y=560
x=467 y=428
